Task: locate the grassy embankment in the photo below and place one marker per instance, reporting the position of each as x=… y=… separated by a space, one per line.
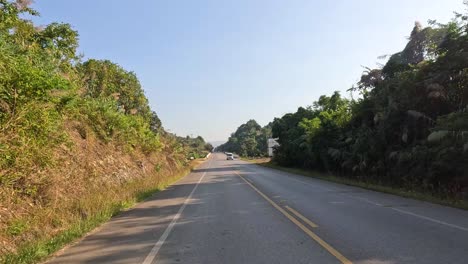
x=78 y=140
x=44 y=232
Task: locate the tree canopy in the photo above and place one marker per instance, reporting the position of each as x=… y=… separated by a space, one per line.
x=408 y=127
x=249 y=140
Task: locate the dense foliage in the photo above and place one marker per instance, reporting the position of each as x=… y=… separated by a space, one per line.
x=76 y=137
x=249 y=140
x=43 y=80
x=409 y=128
x=196 y=147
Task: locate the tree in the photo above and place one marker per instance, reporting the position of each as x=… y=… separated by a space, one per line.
x=250 y=139
x=155 y=123
x=104 y=79
x=409 y=127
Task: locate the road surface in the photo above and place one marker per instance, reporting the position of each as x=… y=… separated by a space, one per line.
x=236 y=212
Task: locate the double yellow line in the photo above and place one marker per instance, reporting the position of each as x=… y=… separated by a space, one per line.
x=306 y=230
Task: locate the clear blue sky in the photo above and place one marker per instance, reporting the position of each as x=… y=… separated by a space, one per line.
x=209 y=66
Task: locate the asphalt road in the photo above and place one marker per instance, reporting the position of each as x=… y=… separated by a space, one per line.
x=236 y=212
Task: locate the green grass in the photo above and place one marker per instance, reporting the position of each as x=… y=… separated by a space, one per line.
x=35 y=252
x=42 y=249
x=370 y=186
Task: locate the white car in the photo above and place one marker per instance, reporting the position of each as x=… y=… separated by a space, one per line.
x=229 y=156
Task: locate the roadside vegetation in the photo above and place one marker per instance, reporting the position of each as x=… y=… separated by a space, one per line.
x=78 y=140
x=407 y=129
x=249 y=140
x=197 y=147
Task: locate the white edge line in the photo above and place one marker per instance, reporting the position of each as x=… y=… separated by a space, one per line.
x=396 y=209
x=365 y=200
x=154 y=251
x=431 y=219
x=413 y=214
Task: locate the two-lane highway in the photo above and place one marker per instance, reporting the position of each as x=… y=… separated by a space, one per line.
x=236 y=212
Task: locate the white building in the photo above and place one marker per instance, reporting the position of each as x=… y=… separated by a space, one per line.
x=272 y=143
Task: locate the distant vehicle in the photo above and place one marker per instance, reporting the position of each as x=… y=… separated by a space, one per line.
x=229 y=156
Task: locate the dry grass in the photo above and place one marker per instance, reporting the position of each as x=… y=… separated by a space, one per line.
x=197 y=162
x=89 y=182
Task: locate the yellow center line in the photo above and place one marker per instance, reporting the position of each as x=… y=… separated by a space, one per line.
x=311 y=234
x=303 y=218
